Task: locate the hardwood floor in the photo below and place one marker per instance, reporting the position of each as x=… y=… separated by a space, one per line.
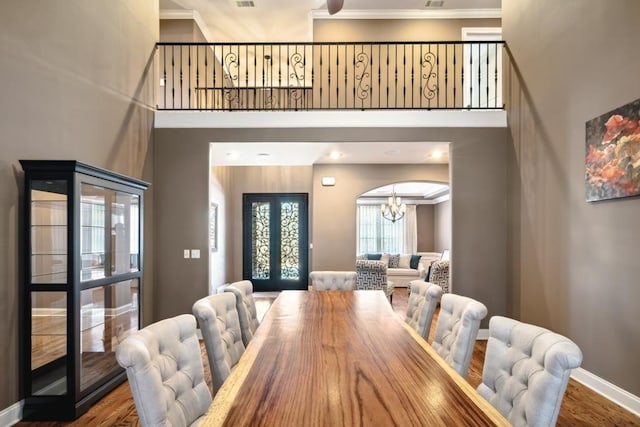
x=580 y=407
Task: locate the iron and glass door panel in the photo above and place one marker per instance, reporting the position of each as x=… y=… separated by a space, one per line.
x=275 y=240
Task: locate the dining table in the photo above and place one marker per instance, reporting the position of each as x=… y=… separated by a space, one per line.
x=343 y=358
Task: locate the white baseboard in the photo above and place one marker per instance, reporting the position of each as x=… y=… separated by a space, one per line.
x=611 y=391
x=11 y=415
x=483 y=335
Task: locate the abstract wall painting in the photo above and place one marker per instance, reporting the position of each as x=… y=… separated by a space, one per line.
x=612 y=161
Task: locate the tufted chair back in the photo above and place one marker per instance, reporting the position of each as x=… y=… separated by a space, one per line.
x=526 y=371
x=218 y=319
x=439 y=274
x=165 y=372
x=423 y=299
x=457 y=330
x=246 y=306
x=333 y=280
x=372 y=274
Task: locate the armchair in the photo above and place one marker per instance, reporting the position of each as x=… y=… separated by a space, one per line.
x=373 y=275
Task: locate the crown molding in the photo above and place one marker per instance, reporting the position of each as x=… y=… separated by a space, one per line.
x=409 y=14
x=187 y=14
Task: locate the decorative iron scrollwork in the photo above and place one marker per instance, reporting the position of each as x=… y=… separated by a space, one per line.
x=362 y=63
x=231 y=63
x=297 y=64
x=260 y=251
x=290 y=236
x=430 y=86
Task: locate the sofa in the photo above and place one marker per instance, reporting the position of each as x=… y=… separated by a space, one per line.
x=403 y=268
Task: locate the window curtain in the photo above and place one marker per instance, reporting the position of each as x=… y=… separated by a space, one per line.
x=375 y=234
x=410 y=231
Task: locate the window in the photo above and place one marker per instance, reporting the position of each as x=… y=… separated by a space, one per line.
x=376 y=234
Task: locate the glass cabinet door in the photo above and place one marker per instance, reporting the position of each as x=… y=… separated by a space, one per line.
x=109 y=232
x=49 y=231
x=48 y=205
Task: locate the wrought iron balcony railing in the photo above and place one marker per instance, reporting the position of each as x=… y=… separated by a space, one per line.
x=337 y=76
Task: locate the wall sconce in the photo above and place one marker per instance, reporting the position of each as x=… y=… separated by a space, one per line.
x=328 y=181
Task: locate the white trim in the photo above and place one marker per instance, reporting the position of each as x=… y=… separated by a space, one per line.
x=409 y=14
x=332 y=119
x=118 y=311
x=441 y=199
x=480 y=33
x=483 y=335
x=48 y=312
x=610 y=391
x=12 y=415
x=187 y=14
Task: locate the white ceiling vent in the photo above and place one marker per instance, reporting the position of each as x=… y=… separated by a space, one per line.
x=431 y=3
x=245 y=3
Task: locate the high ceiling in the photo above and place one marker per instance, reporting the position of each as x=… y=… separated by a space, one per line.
x=290 y=20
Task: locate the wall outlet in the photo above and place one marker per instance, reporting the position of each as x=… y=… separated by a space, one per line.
x=195 y=253
x=186 y=253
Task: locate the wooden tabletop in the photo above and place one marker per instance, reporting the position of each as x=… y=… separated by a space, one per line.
x=343 y=359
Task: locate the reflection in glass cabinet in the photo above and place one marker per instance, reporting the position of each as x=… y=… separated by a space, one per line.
x=83 y=283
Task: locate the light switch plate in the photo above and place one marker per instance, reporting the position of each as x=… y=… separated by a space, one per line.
x=186 y=253
x=195 y=253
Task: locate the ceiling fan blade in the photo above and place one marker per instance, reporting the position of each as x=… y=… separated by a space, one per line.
x=334 y=6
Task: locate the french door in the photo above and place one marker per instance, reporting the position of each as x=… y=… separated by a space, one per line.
x=275 y=240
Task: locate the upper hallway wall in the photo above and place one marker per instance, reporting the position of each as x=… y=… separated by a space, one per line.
x=341 y=30
x=180 y=30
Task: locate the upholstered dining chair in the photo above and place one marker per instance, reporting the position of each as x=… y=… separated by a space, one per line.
x=526 y=371
x=218 y=319
x=246 y=306
x=165 y=372
x=372 y=274
x=457 y=329
x=423 y=300
x=333 y=280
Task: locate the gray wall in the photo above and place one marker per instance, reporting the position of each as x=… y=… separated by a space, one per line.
x=426 y=228
x=573 y=265
x=181 y=183
x=442 y=226
x=395 y=29
x=478 y=250
x=77 y=84
x=258 y=179
x=334 y=208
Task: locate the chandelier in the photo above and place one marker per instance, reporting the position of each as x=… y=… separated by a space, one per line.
x=394 y=209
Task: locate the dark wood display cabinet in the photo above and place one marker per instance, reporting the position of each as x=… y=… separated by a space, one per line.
x=82 y=283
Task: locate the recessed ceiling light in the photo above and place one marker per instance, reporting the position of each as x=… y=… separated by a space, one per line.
x=233 y=155
x=335 y=154
x=264 y=154
x=437 y=154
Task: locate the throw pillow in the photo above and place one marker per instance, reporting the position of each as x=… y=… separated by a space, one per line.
x=413 y=263
x=426 y=278
x=385 y=258
x=394 y=261
x=361 y=256
x=405 y=260
x=374 y=257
